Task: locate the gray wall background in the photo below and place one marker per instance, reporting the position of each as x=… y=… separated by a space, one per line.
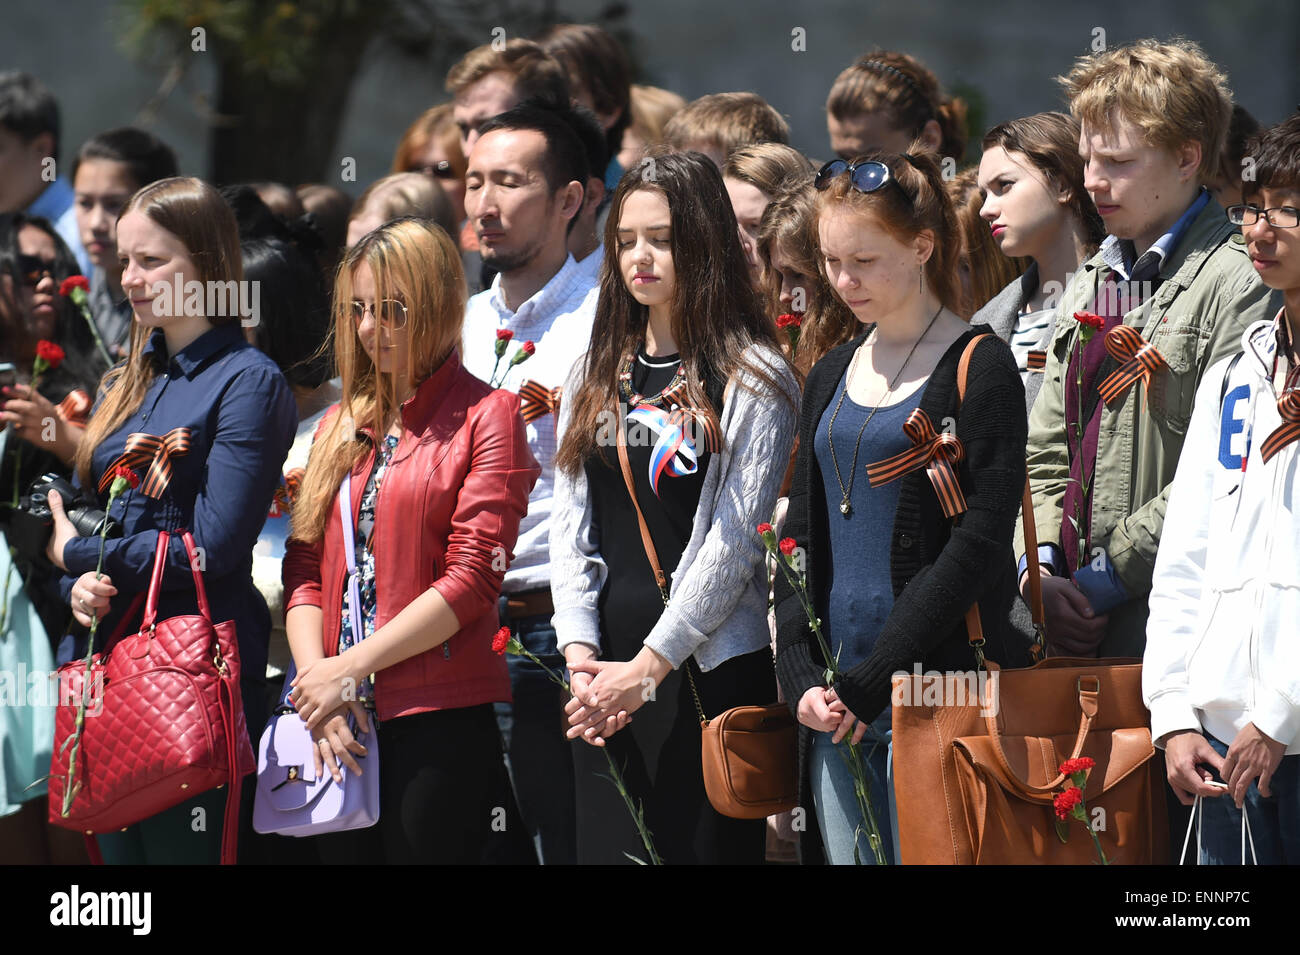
x=1009 y=51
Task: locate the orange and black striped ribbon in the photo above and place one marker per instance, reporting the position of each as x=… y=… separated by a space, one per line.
x=1288 y=406
x=936 y=451
x=1139 y=360
x=704 y=426
x=1037 y=361
x=538 y=400
x=155 y=452
x=287 y=491
x=75 y=408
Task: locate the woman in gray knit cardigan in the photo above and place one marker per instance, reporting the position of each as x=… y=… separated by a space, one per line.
x=675 y=434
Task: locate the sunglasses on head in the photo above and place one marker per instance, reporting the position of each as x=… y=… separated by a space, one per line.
x=869 y=175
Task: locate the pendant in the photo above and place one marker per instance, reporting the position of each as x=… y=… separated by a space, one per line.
x=845 y=507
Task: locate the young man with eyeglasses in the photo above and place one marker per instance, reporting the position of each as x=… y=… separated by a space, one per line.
x=1221 y=673
x=1174 y=290
x=524 y=190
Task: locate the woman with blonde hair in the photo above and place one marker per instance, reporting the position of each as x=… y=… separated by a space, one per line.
x=230 y=418
x=437 y=470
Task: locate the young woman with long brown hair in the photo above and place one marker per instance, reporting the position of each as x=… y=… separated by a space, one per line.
x=189 y=368
x=685 y=370
x=439 y=472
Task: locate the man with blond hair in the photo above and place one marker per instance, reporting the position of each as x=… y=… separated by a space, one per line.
x=1172 y=289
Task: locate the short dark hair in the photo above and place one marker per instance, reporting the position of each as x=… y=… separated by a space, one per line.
x=28 y=108
x=565 y=159
x=587 y=127
x=146 y=157
x=1276 y=152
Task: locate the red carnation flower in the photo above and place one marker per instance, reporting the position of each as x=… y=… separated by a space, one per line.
x=1080 y=765
x=764 y=529
x=789 y=320
x=1064 y=803
x=1090 y=319
x=529 y=347
x=504 y=334
x=49 y=353
x=501 y=640
x=74 y=282
x=787 y=546
x=126 y=474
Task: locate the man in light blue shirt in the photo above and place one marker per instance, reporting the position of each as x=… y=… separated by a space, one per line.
x=29 y=149
x=525 y=185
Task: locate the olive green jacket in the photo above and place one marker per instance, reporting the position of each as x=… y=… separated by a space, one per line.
x=1208 y=295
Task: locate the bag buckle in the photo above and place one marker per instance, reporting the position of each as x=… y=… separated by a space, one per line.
x=1096 y=684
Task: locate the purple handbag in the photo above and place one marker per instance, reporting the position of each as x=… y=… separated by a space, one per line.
x=291 y=799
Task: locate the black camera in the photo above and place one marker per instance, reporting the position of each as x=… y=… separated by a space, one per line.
x=30 y=524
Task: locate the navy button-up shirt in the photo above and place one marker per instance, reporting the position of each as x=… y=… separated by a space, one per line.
x=242 y=420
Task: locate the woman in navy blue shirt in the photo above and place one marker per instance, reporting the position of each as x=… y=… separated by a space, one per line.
x=190 y=367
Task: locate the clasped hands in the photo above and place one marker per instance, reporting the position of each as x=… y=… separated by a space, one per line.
x=324 y=693
x=821 y=709
x=606 y=693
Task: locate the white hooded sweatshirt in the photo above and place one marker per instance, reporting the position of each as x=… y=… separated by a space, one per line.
x=1223 y=636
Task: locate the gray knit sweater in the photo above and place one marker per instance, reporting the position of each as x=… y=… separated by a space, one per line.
x=718 y=598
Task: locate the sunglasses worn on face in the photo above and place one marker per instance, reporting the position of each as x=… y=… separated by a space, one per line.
x=390 y=313
x=32 y=269
x=867 y=176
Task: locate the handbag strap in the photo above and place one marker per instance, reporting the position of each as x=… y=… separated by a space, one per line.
x=974 y=627
x=1196 y=818
x=155 y=580
x=661 y=579
x=350 y=551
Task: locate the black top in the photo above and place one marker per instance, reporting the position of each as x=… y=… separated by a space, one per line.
x=630 y=599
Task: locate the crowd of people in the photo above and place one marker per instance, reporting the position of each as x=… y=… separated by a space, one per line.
x=590 y=336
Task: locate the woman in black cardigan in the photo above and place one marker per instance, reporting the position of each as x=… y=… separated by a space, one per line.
x=888 y=244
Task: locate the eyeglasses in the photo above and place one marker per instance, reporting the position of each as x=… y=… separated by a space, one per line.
x=438 y=170
x=868 y=176
x=390 y=313
x=1280 y=217
x=32 y=269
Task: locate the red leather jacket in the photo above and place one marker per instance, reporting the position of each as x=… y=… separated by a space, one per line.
x=447 y=517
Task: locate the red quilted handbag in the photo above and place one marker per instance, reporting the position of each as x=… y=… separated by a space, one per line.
x=171 y=722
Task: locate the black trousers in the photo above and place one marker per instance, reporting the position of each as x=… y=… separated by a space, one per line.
x=441 y=793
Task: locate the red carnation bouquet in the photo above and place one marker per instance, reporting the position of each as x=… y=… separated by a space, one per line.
x=1069 y=804
x=791 y=323
x=521 y=355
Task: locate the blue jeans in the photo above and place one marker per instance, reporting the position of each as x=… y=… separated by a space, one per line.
x=1274 y=821
x=537 y=754
x=834 y=799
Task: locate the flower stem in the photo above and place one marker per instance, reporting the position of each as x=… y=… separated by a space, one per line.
x=634 y=808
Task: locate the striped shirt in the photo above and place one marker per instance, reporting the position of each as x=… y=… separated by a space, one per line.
x=558 y=321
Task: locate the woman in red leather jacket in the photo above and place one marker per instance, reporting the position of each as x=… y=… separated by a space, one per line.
x=440 y=474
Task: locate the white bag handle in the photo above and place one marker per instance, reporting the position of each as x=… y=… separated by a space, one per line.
x=1196 y=818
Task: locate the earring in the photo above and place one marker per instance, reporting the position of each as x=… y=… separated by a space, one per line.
x=920 y=277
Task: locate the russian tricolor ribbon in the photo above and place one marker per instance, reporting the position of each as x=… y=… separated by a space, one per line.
x=673 y=451
x=1288 y=406
x=1138 y=359
x=936 y=451
x=538 y=401
x=147 y=449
